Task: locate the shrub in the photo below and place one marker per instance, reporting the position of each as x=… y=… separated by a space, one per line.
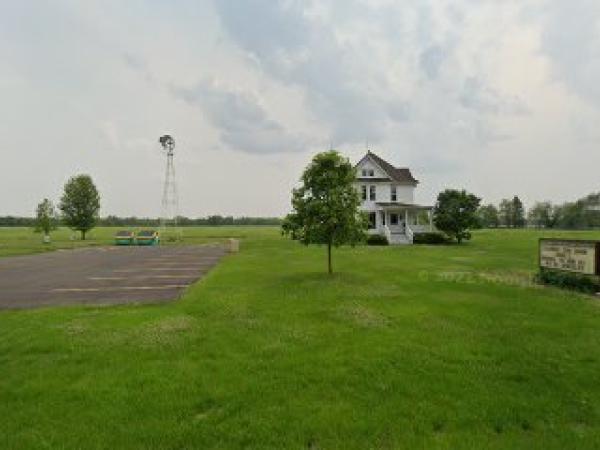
x=432 y=237
x=569 y=280
x=377 y=239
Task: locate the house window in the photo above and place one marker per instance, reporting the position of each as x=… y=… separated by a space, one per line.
x=372 y=195
x=393 y=219
x=368 y=173
x=372 y=221
x=394 y=195
x=364 y=192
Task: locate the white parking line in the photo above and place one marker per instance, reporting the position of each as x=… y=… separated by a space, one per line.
x=106 y=278
x=145 y=269
x=141 y=277
x=122 y=288
x=186 y=277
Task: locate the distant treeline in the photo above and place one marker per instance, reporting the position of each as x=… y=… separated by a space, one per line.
x=581 y=214
x=114 y=221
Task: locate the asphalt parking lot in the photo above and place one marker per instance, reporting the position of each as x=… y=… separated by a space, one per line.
x=107 y=275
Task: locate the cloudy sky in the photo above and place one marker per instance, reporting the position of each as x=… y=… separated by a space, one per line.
x=498 y=97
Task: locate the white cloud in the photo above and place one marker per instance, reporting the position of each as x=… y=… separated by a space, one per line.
x=498 y=97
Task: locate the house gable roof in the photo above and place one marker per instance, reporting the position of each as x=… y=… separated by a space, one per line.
x=397 y=174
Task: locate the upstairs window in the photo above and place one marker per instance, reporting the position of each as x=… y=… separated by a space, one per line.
x=394 y=195
x=368 y=173
x=372 y=195
x=364 y=192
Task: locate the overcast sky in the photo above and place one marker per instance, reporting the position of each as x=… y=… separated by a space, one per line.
x=498 y=97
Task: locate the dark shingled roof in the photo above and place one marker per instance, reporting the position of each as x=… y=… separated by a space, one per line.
x=398 y=174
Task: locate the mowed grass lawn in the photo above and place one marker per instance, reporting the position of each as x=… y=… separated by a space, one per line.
x=404 y=347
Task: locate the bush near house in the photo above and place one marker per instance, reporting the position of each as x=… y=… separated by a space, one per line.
x=567 y=280
x=432 y=237
x=377 y=239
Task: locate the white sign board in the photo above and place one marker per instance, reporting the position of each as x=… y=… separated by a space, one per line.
x=569 y=255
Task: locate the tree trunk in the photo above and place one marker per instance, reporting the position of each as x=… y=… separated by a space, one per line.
x=83 y=235
x=330 y=269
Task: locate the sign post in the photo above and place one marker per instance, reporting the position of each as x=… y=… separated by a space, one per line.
x=570 y=255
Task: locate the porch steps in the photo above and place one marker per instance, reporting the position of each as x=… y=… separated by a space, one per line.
x=398 y=239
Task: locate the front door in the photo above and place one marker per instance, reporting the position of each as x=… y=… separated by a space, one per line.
x=372 y=221
x=397 y=223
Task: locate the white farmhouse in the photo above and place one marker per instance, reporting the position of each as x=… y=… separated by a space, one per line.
x=387 y=194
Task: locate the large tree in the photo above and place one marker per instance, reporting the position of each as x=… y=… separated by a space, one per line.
x=506 y=213
x=45 y=217
x=325 y=208
x=488 y=216
x=518 y=212
x=80 y=204
x=542 y=215
x=455 y=213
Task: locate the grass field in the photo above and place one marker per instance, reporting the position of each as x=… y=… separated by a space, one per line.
x=404 y=347
x=21 y=241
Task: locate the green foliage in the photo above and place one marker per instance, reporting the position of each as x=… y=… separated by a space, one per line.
x=80 y=204
x=488 y=216
x=584 y=213
x=430 y=237
x=45 y=217
x=518 y=211
x=569 y=280
x=512 y=213
x=542 y=215
x=325 y=207
x=506 y=213
x=377 y=239
x=455 y=213
x=581 y=214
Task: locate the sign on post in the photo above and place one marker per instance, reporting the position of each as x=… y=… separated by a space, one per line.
x=570 y=255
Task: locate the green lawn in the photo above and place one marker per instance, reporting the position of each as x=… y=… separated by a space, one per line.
x=20 y=241
x=404 y=347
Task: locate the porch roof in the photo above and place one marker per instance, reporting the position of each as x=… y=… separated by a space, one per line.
x=399 y=205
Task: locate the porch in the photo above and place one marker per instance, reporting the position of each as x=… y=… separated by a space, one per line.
x=399 y=222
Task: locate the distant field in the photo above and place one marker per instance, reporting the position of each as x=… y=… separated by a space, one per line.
x=19 y=241
x=404 y=347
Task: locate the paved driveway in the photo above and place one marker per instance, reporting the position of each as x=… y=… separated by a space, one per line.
x=108 y=275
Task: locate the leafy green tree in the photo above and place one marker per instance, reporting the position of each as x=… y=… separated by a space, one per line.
x=325 y=208
x=506 y=213
x=80 y=204
x=488 y=216
x=455 y=213
x=542 y=215
x=45 y=217
x=518 y=212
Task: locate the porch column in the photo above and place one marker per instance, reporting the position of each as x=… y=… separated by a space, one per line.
x=405 y=218
x=430 y=220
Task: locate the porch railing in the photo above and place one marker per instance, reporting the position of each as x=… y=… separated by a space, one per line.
x=410 y=235
x=388 y=233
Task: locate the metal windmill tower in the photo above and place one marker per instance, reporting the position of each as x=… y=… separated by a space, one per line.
x=170 y=197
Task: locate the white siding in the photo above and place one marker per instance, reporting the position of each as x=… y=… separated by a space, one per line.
x=383 y=190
